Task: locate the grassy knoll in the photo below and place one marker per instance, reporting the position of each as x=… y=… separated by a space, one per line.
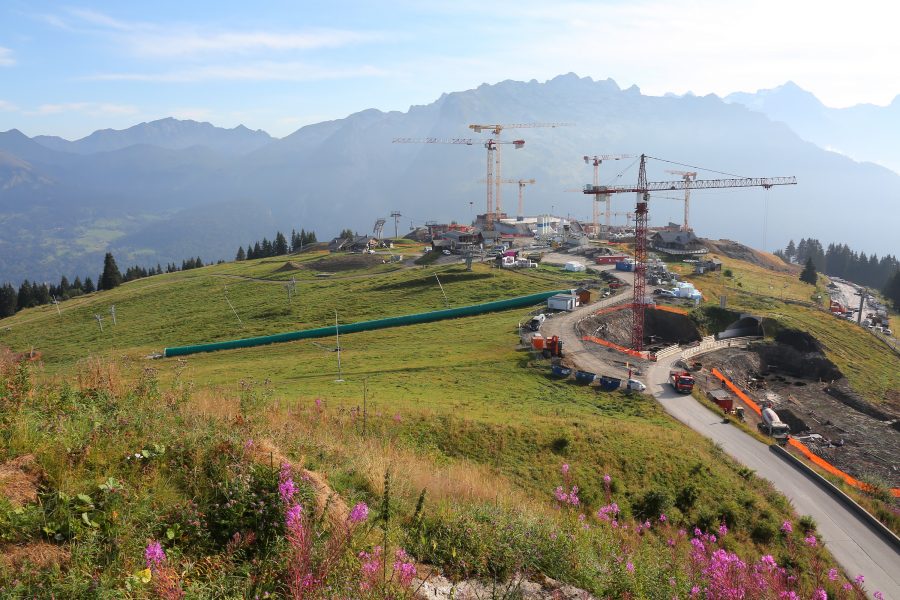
x=192 y=306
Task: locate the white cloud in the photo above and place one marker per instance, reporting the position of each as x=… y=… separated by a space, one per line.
x=93 y=109
x=256 y=71
x=6 y=57
x=8 y=106
x=179 y=41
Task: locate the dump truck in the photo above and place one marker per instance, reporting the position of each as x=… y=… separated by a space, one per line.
x=682 y=381
x=773 y=426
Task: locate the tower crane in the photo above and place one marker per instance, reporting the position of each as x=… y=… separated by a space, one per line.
x=492 y=146
x=597 y=160
x=494 y=194
x=643 y=189
x=687 y=176
x=521 y=183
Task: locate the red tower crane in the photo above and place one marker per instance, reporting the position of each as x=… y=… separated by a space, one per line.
x=597 y=161
x=643 y=189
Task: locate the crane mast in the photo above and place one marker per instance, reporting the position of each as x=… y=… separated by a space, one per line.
x=641 y=214
x=688 y=176
x=596 y=161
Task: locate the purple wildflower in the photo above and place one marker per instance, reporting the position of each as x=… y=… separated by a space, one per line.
x=723 y=529
x=293 y=516
x=662 y=518
x=787 y=527
x=832 y=574
x=859 y=579
x=565 y=468
x=811 y=541
x=820 y=594
x=154 y=555
x=629 y=566
x=607 y=479
x=359 y=513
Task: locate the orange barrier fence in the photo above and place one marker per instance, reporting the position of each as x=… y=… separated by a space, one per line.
x=610 y=309
x=815 y=459
x=628 y=351
x=746 y=399
x=671 y=309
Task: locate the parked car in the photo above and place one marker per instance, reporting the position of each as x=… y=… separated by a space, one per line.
x=635 y=385
x=887 y=331
x=447 y=252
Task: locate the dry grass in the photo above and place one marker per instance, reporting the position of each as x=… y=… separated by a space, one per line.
x=39 y=555
x=336 y=436
x=95 y=375
x=20 y=479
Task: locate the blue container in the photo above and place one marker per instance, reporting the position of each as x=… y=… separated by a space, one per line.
x=609 y=383
x=624 y=266
x=584 y=377
x=559 y=371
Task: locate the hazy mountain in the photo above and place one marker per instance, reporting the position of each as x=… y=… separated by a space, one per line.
x=165 y=133
x=864 y=132
x=149 y=204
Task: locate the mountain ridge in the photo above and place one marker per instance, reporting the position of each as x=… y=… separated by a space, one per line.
x=346 y=173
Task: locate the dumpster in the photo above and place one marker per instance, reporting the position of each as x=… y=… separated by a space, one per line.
x=609 y=383
x=584 y=377
x=560 y=371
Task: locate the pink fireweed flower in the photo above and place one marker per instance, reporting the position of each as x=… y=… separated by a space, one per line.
x=878 y=596
x=359 y=513
x=293 y=516
x=565 y=468
x=662 y=518
x=404 y=567
x=607 y=479
x=629 y=566
x=832 y=574
x=859 y=579
x=787 y=527
x=154 y=555
x=318 y=403
x=286 y=490
x=820 y=594
x=811 y=541
x=723 y=529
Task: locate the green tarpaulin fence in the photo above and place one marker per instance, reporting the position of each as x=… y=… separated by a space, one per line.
x=437 y=315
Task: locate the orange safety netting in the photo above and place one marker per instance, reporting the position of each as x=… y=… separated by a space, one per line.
x=746 y=399
x=671 y=309
x=628 y=351
x=817 y=460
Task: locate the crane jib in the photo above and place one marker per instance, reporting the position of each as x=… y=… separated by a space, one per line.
x=698 y=184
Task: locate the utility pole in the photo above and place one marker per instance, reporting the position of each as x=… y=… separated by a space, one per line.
x=112 y=311
x=446 y=301
x=396 y=214
x=337 y=337
x=99 y=318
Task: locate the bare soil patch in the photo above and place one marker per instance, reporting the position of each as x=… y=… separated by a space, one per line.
x=344 y=262
x=843 y=428
x=661 y=328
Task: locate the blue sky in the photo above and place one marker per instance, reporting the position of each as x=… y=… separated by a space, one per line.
x=70 y=68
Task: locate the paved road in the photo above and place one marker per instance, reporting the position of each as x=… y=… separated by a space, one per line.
x=856 y=547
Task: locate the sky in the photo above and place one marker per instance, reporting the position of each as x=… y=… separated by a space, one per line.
x=70 y=68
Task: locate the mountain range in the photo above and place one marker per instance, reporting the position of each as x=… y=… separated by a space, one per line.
x=864 y=132
x=170 y=189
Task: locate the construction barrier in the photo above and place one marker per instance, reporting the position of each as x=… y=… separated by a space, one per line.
x=414 y=319
x=623 y=349
x=671 y=309
x=800 y=446
x=744 y=397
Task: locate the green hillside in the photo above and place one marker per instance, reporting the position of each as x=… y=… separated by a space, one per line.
x=452 y=408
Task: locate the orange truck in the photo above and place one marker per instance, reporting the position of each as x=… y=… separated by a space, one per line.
x=682 y=381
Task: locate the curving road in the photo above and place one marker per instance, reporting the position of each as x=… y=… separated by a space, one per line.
x=853 y=543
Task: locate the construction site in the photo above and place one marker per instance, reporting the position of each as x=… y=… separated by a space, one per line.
x=641 y=309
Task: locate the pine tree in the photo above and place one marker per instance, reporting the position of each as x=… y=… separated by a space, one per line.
x=111 y=277
x=88 y=286
x=41 y=293
x=892 y=290
x=791 y=250
x=24 y=298
x=347 y=234
x=8 y=300
x=257 y=251
x=808 y=275
x=240 y=254
x=77 y=286
x=280 y=246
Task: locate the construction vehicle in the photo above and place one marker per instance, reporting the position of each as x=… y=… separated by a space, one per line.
x=553 y=347
x=535 y=323
x=682 y=381
x=773 y=426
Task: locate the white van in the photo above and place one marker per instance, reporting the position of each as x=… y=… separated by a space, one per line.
x=635 y=385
